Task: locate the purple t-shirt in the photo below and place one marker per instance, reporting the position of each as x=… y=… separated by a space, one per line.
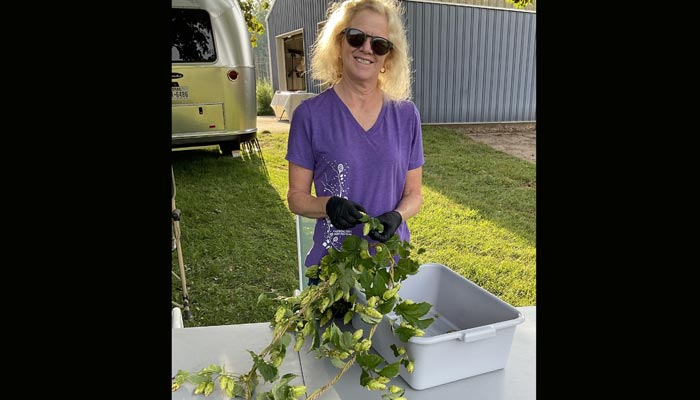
x=367 y=167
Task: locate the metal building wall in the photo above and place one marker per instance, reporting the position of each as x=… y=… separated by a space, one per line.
x=289 y=15
x=493 y=3
x=470 y=63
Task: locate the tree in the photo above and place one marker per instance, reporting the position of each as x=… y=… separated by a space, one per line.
x=520 y=3
x=250 y=8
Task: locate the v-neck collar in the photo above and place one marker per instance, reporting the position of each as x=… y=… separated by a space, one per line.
x=377 y=122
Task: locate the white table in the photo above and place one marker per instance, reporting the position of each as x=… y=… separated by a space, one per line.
x=228 y=345
x=195 y=348
x=284 y=102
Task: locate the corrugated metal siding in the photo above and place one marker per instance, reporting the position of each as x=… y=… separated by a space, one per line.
x=470 y=64
x=289 y=15
x=490 y=3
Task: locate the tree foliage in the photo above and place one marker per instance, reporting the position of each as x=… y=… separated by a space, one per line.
x=520 y=3
x=250 y=10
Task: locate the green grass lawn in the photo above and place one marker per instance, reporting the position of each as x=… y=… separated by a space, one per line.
x=239 y=239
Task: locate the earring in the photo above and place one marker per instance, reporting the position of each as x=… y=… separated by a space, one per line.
x=383 y=70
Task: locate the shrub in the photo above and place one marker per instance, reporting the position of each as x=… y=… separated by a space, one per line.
x=263 y=94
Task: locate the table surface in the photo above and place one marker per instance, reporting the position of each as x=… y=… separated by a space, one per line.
x=227 y=345
x=284 y=103
x=196 y=348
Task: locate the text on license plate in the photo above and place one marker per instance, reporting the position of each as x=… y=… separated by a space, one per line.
x=180 y=93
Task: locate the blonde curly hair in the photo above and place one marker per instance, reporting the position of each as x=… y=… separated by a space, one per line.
x=326 y=62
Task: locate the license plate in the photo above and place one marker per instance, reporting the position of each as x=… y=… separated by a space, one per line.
x=180 y=93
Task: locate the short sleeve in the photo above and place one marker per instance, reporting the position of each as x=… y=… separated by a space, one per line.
x=299 y=143
x=416 y=157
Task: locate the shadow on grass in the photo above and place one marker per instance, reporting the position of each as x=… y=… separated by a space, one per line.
x=501 y=187
x=238 y=239
x=250 y=151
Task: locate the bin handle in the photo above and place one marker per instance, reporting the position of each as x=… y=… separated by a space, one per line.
x=473 y=335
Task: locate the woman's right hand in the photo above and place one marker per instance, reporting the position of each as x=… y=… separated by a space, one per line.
x=344 y=214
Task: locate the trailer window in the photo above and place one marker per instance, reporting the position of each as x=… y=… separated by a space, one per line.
x=191 y=36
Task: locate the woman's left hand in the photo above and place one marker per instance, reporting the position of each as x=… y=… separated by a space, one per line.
x=391 y=222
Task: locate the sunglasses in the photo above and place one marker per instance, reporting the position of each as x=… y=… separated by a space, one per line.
x=356 y=38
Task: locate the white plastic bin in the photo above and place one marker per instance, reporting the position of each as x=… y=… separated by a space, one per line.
x=472 y=332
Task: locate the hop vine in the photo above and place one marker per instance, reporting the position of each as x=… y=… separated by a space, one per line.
x=377 y=271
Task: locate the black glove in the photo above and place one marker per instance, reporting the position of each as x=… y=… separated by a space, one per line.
x=391 y=221
x=344 y=214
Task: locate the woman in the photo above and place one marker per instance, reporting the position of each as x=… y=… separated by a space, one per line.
x=360 y=140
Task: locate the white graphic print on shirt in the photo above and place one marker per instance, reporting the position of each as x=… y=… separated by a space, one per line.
x=335 y=185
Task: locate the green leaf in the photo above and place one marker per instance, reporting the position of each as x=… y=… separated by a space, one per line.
x=338 y=363
x=287 y=377
x=279 y=391
x=312 y=272
x=198 y=379
x=346 y=341
x=340 y=266
x=384 y=273
x=316 y=340
x=181 y=376
x=352 y=244
x=335 y=335
x=377 y=225
x=378 y=285
x=404 y=268
x=279 y=349
x=286 y=339
x=365 y=281
x=403 y=252
x=309 y=328
x=387 y=306
x=365 y=378
x=353 y=298
x=403 y=333
x=239 y=389
x=390 y=370
x=211 y=368
x=369 y=361
x=367 y=264
x=267 y=370
x=382 y=258
x=395 y=350
x=370 y=320
x=412 y=312
x=424 y=323
x=263 y=396
x=253 y=381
